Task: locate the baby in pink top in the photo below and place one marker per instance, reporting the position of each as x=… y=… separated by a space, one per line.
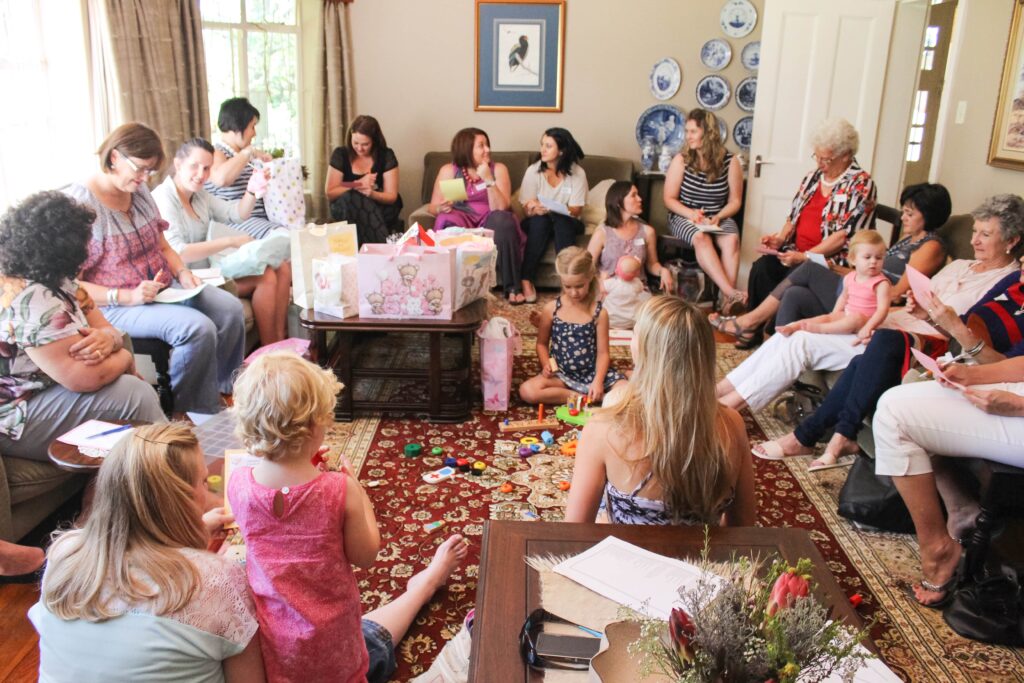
x=864 y=302
x=304 y=529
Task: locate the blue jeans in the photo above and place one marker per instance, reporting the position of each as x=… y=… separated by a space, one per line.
x=381 y=651
x=207 y=336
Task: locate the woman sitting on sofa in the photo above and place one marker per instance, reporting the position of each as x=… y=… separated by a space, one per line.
x=556 y=177
x=488 y=192
x=362 y=182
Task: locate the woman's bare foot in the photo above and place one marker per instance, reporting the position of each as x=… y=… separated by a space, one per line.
x=529 y=291
x=938 y=567
x=448 y=556
x=19 y=559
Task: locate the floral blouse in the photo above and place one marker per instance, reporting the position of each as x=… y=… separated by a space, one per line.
x=850 y=207
x=32 y=315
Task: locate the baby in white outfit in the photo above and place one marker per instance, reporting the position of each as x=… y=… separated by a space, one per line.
x=624 y=292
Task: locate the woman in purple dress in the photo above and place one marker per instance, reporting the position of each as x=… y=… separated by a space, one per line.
x=488 y=198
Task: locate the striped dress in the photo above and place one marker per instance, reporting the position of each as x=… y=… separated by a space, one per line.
x=696 y=192
x=258 y=225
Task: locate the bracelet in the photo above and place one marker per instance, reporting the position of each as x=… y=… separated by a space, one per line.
x=112 y=293
x=976 y=349
x=490 y=183
x=180 y=271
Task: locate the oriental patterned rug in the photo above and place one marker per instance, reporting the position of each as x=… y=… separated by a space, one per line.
x=915 y=642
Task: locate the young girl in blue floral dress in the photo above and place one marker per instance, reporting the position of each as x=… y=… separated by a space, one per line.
x=576 y=328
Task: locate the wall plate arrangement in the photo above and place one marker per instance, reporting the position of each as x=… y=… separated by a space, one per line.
x=663 y=123
x=738 y=18
x=746 y=93
x=716 y=54
x=713 y=92
x=723 y=129
x=743 y=131
x=665 y=79
x=750 y=57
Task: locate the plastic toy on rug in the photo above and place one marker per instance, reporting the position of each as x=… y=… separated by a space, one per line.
x=530 y=425
x=575 y=412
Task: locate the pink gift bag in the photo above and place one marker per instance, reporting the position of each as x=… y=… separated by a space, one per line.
x=405 y=281
x=499 y=343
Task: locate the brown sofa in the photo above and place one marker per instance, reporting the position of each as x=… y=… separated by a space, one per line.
x=29 y=492
x=597 y=168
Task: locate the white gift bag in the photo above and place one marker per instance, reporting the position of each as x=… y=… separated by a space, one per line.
x=285 y=201
x=336 y=286
x=317 y=241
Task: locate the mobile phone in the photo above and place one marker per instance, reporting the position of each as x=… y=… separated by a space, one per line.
x=574 y=649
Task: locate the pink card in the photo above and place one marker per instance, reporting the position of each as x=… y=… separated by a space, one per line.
x=921 y=285
x=762 y=249
x=932 y=366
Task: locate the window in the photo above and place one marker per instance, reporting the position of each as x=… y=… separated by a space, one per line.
x=252 y=50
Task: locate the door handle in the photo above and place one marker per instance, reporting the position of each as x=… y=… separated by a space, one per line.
x=758 y=162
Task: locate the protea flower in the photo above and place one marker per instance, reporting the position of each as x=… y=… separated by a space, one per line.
x=682 y=631
x=788 y=587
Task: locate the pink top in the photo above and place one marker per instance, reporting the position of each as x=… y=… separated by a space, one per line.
x=860 y=296
x=306 y=597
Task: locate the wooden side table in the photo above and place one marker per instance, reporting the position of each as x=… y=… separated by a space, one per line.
x=339 y=356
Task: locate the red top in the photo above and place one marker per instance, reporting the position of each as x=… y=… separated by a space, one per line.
x=808 y=226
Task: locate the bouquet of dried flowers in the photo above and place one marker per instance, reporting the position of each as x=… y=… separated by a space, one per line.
x=752 y=625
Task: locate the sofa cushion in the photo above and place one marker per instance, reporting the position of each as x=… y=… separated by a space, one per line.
x=593 y=213
x=27 y=479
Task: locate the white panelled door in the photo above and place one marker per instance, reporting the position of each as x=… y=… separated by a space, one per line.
x=819 y=60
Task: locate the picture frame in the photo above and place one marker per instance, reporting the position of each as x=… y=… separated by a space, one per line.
x=1006 y=149
x=520 y=55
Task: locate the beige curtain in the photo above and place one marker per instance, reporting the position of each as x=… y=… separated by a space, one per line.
x=160 y=69
x=336 y=77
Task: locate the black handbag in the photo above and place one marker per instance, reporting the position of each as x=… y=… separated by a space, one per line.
x=988 y=609
x=872 y=500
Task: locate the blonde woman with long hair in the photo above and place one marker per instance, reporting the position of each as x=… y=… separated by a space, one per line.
x=134 y=595
x=666 y=452
x=703 y=191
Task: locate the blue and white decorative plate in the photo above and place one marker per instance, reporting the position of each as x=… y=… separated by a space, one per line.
x=746 y=93
x=723 y=129
x=743 y=131
x=738 y=18
x=713 y=92
x=663 y=123
x=716 y=54
x=665 y=78
x=751 y=56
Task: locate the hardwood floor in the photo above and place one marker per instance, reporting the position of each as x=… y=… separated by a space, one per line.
x=19 y=644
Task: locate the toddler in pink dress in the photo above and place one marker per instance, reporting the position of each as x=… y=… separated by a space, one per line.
x=304 y=529
x=864 y=302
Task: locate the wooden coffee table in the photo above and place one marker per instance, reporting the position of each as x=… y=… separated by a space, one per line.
x=340 y=356
x=509 y=590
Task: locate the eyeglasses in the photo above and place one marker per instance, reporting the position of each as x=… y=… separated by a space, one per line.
x=136 y=169
x=823 y=160
x=528 y=643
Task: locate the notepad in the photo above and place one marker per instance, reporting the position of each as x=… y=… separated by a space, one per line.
x=453 y=190
x=87 y=437
x=932 y=366
x=552 y=205
x=815 y=257
x=209 y=276
x=176 y=296
x=921 y=286
x=762 y=249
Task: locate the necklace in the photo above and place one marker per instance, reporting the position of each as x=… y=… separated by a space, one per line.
x=830 y=183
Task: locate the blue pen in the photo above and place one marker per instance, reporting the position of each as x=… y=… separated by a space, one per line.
x=115 y=430
x=596 y=634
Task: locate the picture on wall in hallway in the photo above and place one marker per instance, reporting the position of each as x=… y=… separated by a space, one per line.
x=1007 y=146
x=520 y=51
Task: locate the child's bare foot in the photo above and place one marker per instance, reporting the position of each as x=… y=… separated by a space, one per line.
x=448 y=556
x=19 y=559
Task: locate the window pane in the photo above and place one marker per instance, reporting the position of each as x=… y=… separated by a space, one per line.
x=223 y=76
x=920 y=108
x=917 y=134
x=931 y=36
x=229 y=11
x=274 y=89
x=927 y=60
x=270 y=11
x=913 y=152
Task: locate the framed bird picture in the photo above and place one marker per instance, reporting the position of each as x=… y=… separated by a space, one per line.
x=520 y=55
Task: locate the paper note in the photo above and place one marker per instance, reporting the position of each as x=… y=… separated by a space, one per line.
x=815 y=257
x=762 y=249
x=708 y=227
x=176 y=296
x=932 y=366
x=454 y=190
x=556 y=207
x=88 y=436
x=632 y=576
x=921 y=285
x=209 y=276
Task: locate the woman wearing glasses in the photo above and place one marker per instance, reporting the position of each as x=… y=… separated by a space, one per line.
x=130 y=261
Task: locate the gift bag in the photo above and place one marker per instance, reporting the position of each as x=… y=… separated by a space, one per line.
x=405 y=281
x=474 y=268
x=284 y=201
x=317 y=241
x=336 y=286
x=499 y=343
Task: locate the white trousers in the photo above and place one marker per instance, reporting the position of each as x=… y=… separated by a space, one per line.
x=915 y=421
x=778 y=363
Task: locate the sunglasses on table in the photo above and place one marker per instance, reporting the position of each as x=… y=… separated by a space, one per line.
x=577 y=659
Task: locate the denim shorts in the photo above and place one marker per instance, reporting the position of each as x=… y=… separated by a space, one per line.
x=381 y=650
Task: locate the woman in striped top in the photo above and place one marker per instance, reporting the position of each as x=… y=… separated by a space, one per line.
x=231 y=162
x=703 y=191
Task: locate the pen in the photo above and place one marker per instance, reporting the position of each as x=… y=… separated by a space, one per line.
x=596 y=634
x=121 y=428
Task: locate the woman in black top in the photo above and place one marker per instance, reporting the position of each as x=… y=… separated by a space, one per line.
x=362 y=182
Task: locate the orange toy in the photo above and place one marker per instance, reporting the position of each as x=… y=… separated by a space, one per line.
x=569 y=448
x=506 y=488
x=563 y=486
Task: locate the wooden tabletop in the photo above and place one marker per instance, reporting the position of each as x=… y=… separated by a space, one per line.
x=464 y=319
x=509 y=590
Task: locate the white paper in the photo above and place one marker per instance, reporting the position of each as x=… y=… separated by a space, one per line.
x=86 y=435
x=872 y=671
x=209 y=276
x=815 y=257
x=552 y=205
x=639 y=579
x=172 y=295
x=708 y=227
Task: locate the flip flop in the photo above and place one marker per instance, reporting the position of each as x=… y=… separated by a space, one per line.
x=828 y=461
x=768 y=450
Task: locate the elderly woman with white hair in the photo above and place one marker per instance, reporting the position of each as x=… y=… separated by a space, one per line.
x=834 y=200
